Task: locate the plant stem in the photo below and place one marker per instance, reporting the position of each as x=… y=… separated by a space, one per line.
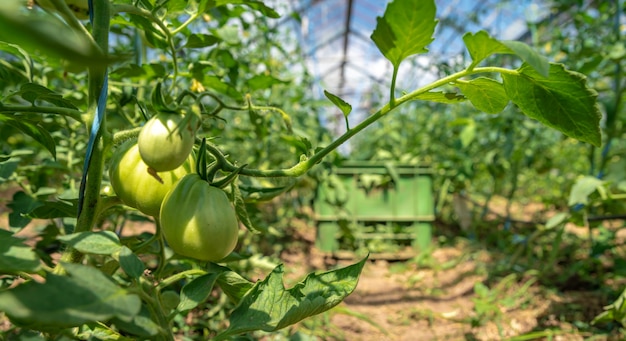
x=124 y=135
x=392 y=88
x=91 y=204
x=161 y=265
x=153 y=303
x=177 y=277
x=182 y=26
x=307 y=163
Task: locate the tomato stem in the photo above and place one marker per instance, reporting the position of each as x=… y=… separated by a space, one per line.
x=201 y=164
x=161 y=239
x=229 y=178
x=121 y=136
x=177 y=277
x=309 y=162
x=91 y=203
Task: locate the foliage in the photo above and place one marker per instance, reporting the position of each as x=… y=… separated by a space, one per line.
x=216 y=60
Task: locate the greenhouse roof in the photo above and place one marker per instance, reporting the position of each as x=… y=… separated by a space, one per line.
x=335 y=38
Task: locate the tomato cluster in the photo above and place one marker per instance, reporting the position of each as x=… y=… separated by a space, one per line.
x=156 y=176
x=136 y=185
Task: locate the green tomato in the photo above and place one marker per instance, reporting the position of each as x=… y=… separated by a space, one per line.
x=136 y=185
x=166 y=140
x=198 y=220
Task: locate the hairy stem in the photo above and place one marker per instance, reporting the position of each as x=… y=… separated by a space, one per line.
x=392 y=88
x=177 y=277
x=91 y=204
x=307 y=163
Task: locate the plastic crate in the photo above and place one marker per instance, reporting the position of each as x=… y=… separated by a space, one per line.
x=364 y=194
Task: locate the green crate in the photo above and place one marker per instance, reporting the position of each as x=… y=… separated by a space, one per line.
x=364 y=193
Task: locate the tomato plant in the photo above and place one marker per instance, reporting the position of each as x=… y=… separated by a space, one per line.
x=136 y=185
x=166 y=140
x=120 y=286
x=198 y=220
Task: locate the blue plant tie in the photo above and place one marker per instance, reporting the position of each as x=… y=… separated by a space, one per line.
x=95 y=127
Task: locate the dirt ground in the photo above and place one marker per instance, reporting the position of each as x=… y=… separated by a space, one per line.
x=397 y=301
x=436 y=299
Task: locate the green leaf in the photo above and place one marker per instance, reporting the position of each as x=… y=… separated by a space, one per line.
x=233 y=285
x=130 y=263
x=100 y=242
x=15 y=256
x=175 y=6
x=468 y=134
x=441 y=97
x=196 y=291
x=262 y=82
x=143 y=72
x=47 y=35
x=53 y=209
x=241 y=210
x=556 y=220
x=85 y=295
x=256 y=189
x=342 y=105
x=254 y=4
x=218 y=85
x=18 y=51
x=562 y=101
x=8 y=166
x=229 y=34
x=582 y=189
x=480 y=46
x=201 y=40
x=345 y=108
x=481 y=290
x=32 y=129
x=159 y=101
x=21 y=205
x=32 y=92
x=140 y=325
x=530 y=56
x=268 y=306
x=405 y=29
x=154 y=36
x=486 y=94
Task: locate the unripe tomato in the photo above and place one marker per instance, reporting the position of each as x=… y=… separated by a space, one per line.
x=198 y=220
x=136 y=186
x=166 y=140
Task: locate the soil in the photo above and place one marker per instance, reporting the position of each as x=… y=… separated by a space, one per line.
x=436 y=299
x=406 y=301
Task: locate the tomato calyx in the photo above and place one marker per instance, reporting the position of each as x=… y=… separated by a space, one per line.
x=155 y=175
x=208 y=172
